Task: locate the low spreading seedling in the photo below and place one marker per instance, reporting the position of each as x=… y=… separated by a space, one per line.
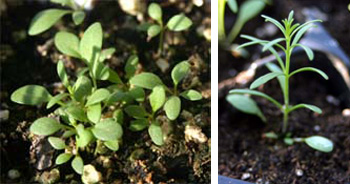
x=86 y=116
x=176 y=23
x=292 y=35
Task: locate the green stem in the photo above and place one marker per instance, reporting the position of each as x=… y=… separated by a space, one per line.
x=234 y=32
x=221 y=27
x=286 y=92
x=161 y=40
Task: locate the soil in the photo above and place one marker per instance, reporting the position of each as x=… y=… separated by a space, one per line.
x=137 y=160
x=243 y=151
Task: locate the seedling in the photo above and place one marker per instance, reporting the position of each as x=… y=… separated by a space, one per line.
x=176 y=23
x=161 y=96
x=45 y=19
x=292 y=34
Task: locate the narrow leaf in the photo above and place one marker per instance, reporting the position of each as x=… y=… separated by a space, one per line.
x=62 y=73
x=272 y=43
x=310 y=69
x=274 y=21
x=300 y=33
x=263 y=79
x=307 y=106
x=31 y=95
x=308 y=51
x=131 y=66
x=192 y=95
x=63 y=158
x=281 y=79
x=256 y=93
x=232 y=4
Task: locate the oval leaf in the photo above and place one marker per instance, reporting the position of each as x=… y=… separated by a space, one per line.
x=137 y=93
x=107 y=130
x=112 y=145
x=76 y=113
x=155 y=12
x=138 y=125
x=67 y=43
x=179 y=23
x=156 y=134
x=172 y=107
x=84 y=136
x=146 y=80
x=31 y=95
x=45 y=126
x=82 y=88
x=246 y=105
x=63 y=158
x=153 y=31
x=45 y=19
x=78 y=164
x=62 y=73
x=157 y=98
x=180 y=71
x=192 y=95
x=131 y=66
x=135 y=111
x=94 y=112
x=319 y=143
x=57 y=143
x=91 y=43
x=78 y=17
x=98 y=96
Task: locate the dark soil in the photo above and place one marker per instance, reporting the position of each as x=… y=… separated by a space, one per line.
x=245 y=154
x=137 y=160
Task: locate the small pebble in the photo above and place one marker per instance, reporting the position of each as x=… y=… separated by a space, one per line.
x=332 y=100
x=245 y=176
x=299 y=172
x=13 y=174
x=346 y=113
x=4 y=115
x=317 y=128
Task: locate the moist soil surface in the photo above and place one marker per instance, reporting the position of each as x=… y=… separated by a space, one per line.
x=243 y=151
x=24 y=61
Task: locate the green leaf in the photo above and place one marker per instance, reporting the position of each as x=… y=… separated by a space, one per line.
x=319 y=143
x=138 y=125
x=146 y=80
x=98 y=96
x=68 y=133
x=256 y=93
x=76 y=113
x=307 y=106
x=78 y=17
x=45 y=19
x=31 y=95
x=310 y=69
x=300 y=33
x=232 y=4
x=78 y=164
x=180 y=71
x=82 y=88
x=157 y=98
x=288 y=141
x=156 y=134
x=137 y=93
x=94 y=112
x=84 y=136
x=57 y=143
x=263 y=79
x=107 y=130
x=271 y=135
x=281 y=79
x=274 y=21
x=304 y=25
x=91 y=43
x=172 y=107
x=112 y=145
x=118 y=116
x=179 y=23
x=308 y=51
x=272 y=43
x=114 y=77
x=100 y=71
x=56 y=99
x=155 y=12
x=45 y=126
x=246 y=105
x=153 y=31
x=106 y=54
x=131 y=66
x=67 y=43
x=63 y=158
x=136 y=111
x=62 y=73
x=192 y=95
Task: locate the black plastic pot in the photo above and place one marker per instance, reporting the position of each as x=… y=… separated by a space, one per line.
x=227 y=180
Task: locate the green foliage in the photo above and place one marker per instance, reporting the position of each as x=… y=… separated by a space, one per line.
x=107 y=130
x=91 y=43
x=57 y=143
x=78 y=17
x=63 y=158
x=45 y=126
x=146 y=80
x=156 y=134
x=67 y=43
x=78 y=164
x=180 y=71
x=172 y=107
x=31 y=95
x=44 y=20
x=292 y=35
x=179 y=23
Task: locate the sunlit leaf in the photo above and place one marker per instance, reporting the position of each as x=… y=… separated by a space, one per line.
x=172 y=107
x=45 y=126
x=31 y=95
x=67 y=43
x=45 y=19
x=319 y=143
x=179 y=23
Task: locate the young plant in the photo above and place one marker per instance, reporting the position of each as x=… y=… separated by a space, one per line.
x=176 y=23
x=292 y=35
x=161 y=96
x=45 y=19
